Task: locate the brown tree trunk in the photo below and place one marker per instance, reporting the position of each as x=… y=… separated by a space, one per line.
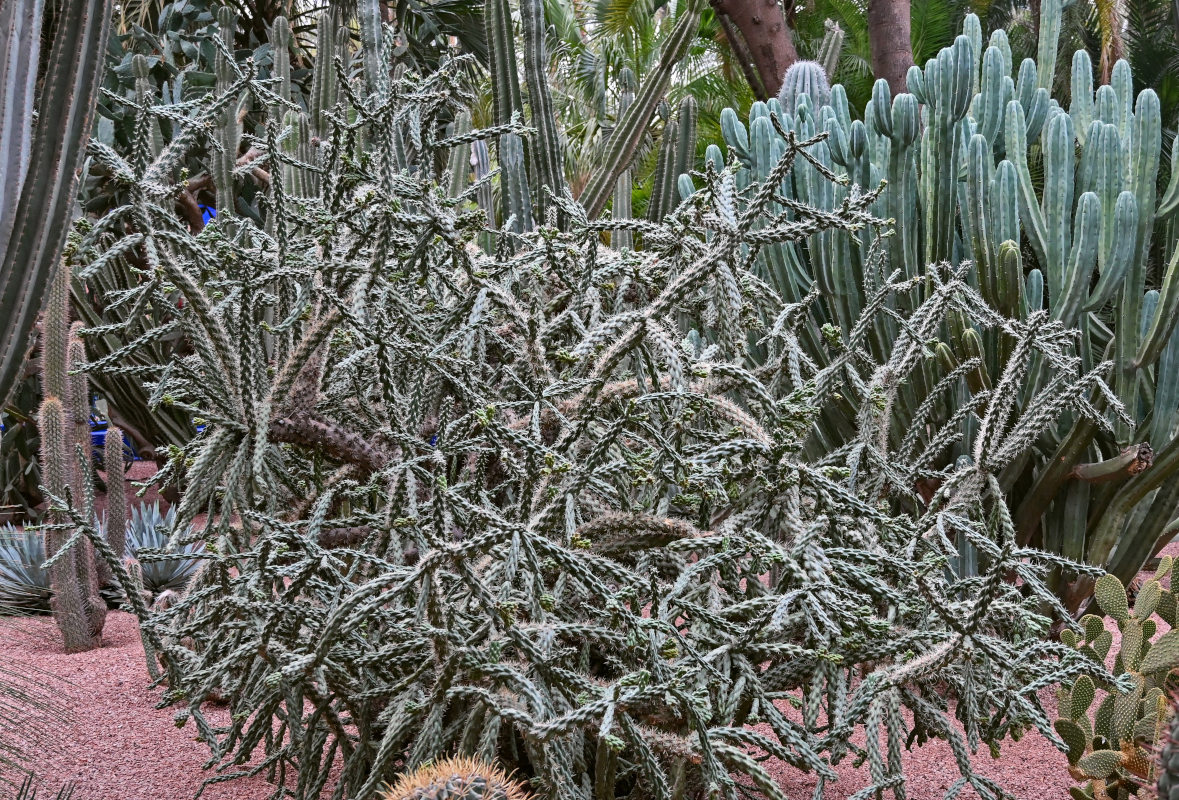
x=889 y=36
x=762 y=26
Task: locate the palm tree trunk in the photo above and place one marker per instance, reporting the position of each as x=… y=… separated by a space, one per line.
x=762 y=26
x=888 y=34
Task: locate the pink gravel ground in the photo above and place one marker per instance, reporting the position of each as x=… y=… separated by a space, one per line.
x=116 y=745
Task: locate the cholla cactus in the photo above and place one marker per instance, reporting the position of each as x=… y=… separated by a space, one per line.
x=549 y=504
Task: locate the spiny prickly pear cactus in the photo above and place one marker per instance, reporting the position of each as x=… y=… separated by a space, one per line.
x=1111 y=750
x=458 y=778
x=804 y=77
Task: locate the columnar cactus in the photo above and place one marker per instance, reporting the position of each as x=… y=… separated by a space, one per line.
x=116 y=500
x=78 y=608
x=804 y=77
x=39 y=163
x=677 y=155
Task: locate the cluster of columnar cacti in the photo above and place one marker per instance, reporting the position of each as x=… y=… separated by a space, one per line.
x=1112 y=745
x=677 y=155
x=549 y=503
x=63 y=420
x=1079 y=234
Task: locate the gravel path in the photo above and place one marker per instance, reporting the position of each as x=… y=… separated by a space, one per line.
x=115 y=744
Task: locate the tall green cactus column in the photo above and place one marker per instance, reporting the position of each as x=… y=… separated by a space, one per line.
x=78 y=609
x=39 y=164
x=547 y=151
x=624 y=141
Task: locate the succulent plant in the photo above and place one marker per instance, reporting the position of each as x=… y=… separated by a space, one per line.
x=804 y=77
x=78 y=608
x=956 y=154
x=164 y=567
x=24 y=584
x=1111 y=744
x=1167 y=785
x=40 y=155
x=458 y=778
x=505 y=492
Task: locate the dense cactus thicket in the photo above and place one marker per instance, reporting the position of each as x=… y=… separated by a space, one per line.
x=1060 y=210
x=550 y=503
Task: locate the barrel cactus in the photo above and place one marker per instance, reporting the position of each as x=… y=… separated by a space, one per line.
x=458 y=778
x=804 y=77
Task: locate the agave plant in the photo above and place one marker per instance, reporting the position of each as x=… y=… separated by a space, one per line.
x=24 y=584
x=164 y=568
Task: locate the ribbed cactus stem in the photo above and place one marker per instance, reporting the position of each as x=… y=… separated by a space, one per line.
x=372 y=42
x=661 y=184
x=323 y=76
x=623 y=142
x=55 y=337
x=517 y=204
x=70 y=596
x=501 y=47
x=804 y=77
x=830 y=49
x=228 y=134
x=621 y=205
x=116 y=499
x=280 y=45
x=1049 y=41
x=458 y=164
x=40 y=160
x=547 y=150
x=685 y=151
x=78 y=409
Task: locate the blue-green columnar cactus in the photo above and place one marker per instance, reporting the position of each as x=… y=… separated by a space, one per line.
x=804 y=77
